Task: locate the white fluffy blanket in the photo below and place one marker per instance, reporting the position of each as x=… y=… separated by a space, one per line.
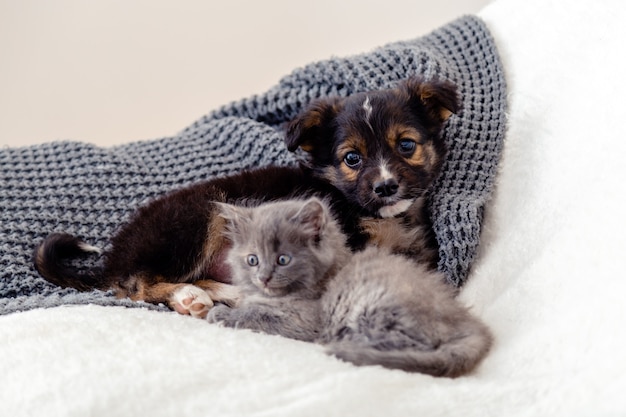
x=549 y=279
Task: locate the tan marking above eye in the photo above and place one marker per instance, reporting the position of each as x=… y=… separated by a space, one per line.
x=399 y=132
x=352 y=144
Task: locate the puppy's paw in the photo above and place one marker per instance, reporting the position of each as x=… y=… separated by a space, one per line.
x=191 y=300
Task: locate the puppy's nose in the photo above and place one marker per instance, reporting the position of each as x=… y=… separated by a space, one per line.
x=386 y=188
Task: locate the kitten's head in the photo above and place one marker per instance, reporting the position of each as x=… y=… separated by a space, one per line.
x=282 y=247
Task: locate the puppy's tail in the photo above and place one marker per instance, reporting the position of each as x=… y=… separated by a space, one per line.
x=453 y=358
x=51 y=261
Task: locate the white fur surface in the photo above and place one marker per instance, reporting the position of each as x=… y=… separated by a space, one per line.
x=550 y=279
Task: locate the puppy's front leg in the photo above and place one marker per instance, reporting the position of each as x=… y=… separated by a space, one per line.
x=191 y=299
x=197 y=299
x=220 y=292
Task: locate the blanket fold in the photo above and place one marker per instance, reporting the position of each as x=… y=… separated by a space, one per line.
x=89 y=191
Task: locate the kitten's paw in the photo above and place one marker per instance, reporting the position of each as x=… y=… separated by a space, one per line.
x=221 y=314
x=191 y=300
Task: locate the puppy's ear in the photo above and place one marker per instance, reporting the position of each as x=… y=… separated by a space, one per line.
x=313 y=125
x=439 y=97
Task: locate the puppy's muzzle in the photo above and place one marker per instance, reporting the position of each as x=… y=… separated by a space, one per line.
x=386 y=188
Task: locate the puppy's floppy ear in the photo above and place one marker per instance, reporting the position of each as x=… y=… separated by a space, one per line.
x=439 y=97
x=312 y=126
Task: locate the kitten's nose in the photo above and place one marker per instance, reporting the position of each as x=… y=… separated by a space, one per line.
x=386 y=188
x=264 y=279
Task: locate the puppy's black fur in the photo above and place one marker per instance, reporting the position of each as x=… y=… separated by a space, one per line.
x=178 y=238
x=373 y=155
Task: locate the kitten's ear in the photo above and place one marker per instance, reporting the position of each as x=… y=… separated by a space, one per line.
x=310 y=129
x=311 y=217
x=236 y=216
x=438 y=97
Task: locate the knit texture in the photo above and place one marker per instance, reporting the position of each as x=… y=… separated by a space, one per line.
x=90 y=191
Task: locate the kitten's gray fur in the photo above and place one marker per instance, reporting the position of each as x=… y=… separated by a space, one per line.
x=288 y=303
x=370 y=308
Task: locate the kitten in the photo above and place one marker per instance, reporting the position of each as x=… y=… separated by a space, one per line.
x=384 y=309
x=282 y=256
x=299 y=279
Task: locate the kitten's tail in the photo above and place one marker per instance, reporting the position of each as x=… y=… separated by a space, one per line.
x=50 y=261
x=452 y=358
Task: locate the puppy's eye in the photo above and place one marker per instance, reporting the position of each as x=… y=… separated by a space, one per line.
x=252 y=260
x=283 y=260
x=352 y=159
x=406 y=147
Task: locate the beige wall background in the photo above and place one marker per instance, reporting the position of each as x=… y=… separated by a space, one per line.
x=113 y=71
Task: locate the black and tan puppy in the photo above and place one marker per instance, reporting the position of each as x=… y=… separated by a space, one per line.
x=173 y=250
x=374 y=156
x=383 y=150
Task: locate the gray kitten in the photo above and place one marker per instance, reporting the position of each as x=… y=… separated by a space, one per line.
x=298 y=279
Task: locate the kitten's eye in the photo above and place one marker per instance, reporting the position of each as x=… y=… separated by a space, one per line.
x=283 y=260
x=252 y=260
x=352 y=159
x=406 y=147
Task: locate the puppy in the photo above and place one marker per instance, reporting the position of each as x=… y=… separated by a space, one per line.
x=382 y=150
x=372 y=155
x=173 y=250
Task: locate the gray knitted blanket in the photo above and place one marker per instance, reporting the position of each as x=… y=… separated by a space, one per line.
x=89 y=191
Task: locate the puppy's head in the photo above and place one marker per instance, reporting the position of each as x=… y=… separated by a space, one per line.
x=382 y=149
